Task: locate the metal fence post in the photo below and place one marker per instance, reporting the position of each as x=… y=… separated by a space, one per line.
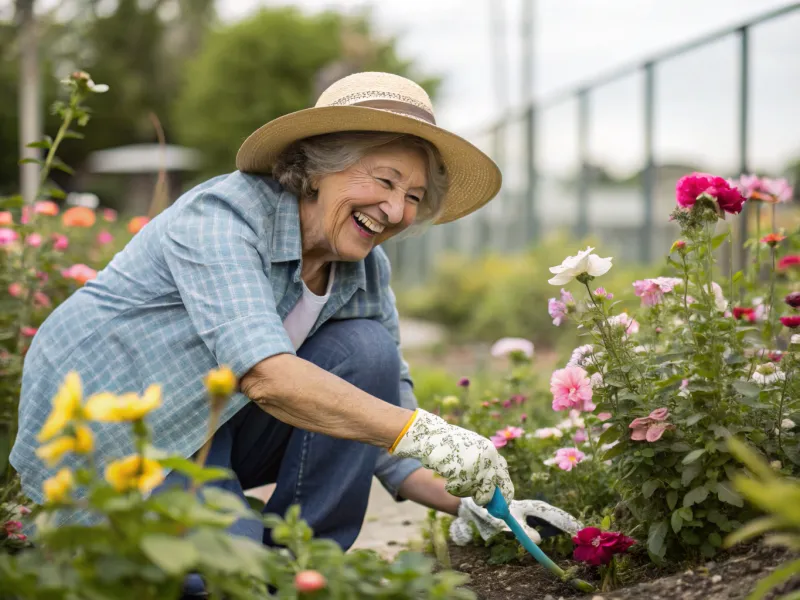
x=744 y=84
x=582 y=223
x=649 y=172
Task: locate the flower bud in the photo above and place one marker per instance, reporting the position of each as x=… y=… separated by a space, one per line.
x=677 y=245
x=793 y=299
x=309 y=581
x=221 y=382
x=463 y=382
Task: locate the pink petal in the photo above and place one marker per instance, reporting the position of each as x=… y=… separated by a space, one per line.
x=638 y=434
x=654 y=432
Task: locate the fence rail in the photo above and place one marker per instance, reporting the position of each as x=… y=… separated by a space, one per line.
x=520 y=215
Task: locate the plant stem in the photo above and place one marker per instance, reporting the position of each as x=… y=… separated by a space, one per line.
x=780 y=410
x=203 y=454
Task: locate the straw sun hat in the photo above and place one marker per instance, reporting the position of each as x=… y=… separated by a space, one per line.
x=387 y=103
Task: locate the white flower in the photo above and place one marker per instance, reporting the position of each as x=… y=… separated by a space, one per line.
x=624 y=320
x=795 y=339
x=580 y=355
x=505 y=346
x=768 y=373
x=583 y=262
x=596 y=380
x=548 y=432
x=787 y=424
x=776 y=464
x=574 y=422
x=719 y=298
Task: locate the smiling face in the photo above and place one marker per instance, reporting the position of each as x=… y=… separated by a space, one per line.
x=364 y=205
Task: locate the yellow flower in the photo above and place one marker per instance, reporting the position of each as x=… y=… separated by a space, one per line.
x=128 y=407
x=66 y=404
x=450 y=401
x=82 y=443
x=132 y=472
x=84 y=440
x=58 y=487
x=53 y=452
x=221 y=382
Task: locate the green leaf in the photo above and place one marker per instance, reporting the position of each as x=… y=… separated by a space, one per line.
x=54 y=192
x=693 y=456
x=5 y=448
x=25 y=161
x=612 y=434
x=672 y=499
x=255 y=503
x=680 y=447
x=726 y=493
x=15 y=201
x=605 y=524
x=686 y=513
x=649 y=487
x=695 y=496
x=754 y=528
x=194 y=471
x=676 y=521
x=615 y=451
x=656 y=537
x=224 y=500
x=717 y=240
x=62 y=166
x=695 y=418
x=747 y=389
x=737 y=276
x=172 y=554
x=45 y=143
x=73 y=135
x=714 y=539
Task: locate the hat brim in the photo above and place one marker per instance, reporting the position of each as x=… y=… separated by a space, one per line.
x=474 y=179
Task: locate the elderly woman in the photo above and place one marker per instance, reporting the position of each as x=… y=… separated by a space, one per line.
x=276 y=271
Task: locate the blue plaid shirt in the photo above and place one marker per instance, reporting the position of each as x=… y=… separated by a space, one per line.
x=207 y=282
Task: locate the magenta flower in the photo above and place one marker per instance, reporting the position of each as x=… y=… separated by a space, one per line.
x=503 y=436
x=518 y=399
x=60 y=242
x=691 y=187
x=507 y=403
x=598 y=547
x=34 y=240
x=104 y=238
x=652 y=427
x=557 y=311
x=8 y=236
x=566 y=458
x=571 y=389
x=28 y=331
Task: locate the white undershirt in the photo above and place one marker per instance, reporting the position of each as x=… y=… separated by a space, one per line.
x=301 y=318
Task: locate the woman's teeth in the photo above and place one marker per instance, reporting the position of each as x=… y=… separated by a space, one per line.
x=367 y=223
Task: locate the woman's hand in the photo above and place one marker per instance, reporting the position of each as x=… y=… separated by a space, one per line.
x=469 y=463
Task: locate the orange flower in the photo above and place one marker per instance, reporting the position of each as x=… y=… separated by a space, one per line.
x=80 y=273
x=136 y=223
x=773 y=239
x=6 y=218
x=46 y=207
x=78 y=216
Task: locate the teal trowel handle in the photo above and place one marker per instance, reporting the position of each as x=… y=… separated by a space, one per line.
x=498 y=508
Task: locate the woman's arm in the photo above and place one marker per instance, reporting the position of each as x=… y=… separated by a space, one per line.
x=303 y=395
x=424 y=487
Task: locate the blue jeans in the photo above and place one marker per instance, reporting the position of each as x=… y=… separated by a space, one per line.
x=329 y=478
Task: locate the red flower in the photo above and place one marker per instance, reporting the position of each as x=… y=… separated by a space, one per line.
x=598 y=547
x=788 y=261
x=742 y=312
x=309 y=581
x=690 y=187
x=773 y=239
x=793 y=322
x=793 y=299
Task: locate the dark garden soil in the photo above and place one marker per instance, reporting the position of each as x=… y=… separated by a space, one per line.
x=730 y=576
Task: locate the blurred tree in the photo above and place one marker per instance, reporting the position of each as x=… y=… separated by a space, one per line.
x=273 y=63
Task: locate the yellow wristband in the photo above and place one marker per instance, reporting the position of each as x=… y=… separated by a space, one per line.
x=404 y=431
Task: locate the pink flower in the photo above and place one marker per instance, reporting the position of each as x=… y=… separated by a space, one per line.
x=579 y=436
x=548 y=432
x=598 y=547
x=8 y=236
x=567 y=297
x=624 y=320
x=46 y=207
x=506 y=403
x=60 y=242
x=557 y=310
x=485 y=404
x=34 y=240
x=41 y=299
x=652 y=427
x=602 y=293
x=24 y=510
x=503 y=436
x=571 y=389
x=652 y=291
x=604 y=416
x=80 y=273
x=6 y=218
x=104 y=238
x=28 y=331
x=109 y=214
x=518 y=399
x=566 y=458
x=691 y=187
x=508 y=346
x=15 y=289
x=523 y=417
x=765 y=189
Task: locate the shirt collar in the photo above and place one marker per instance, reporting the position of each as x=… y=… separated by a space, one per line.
x=287 y=243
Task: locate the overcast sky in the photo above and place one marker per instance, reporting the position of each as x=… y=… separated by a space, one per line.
x=578 y=39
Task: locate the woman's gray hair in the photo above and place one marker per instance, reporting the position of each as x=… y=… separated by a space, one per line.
x=329 y=153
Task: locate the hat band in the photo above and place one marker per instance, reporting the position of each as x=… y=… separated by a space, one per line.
x=397 y=106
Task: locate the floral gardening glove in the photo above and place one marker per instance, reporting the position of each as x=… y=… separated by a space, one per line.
x=469 y=462
x=552 y=520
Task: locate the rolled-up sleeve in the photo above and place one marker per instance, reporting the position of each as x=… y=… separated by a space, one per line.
x=211 y=252
x=389 y=469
